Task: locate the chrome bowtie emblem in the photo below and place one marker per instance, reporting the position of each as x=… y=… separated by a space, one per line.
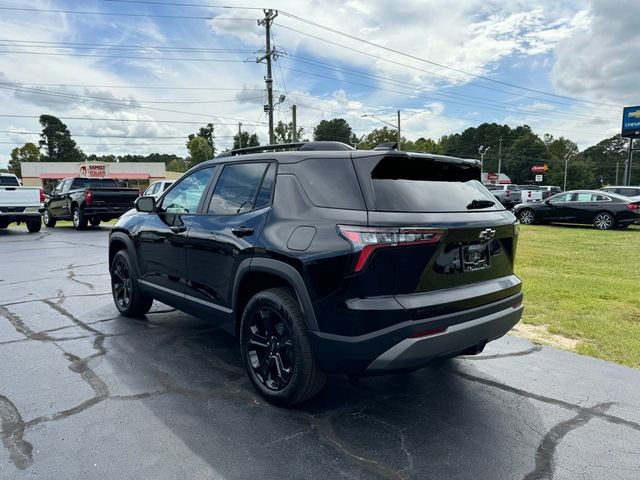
x=487 y=234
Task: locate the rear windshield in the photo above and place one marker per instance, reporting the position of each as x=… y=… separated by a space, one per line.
x=418 y=184
x=93 y=183
x=9 y=181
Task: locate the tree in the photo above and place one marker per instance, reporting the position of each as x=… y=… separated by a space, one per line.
x=606 y=157
x=426 y=145
x=381 y=135
x=176 y=166
x=336 y=129
x=57 y=142
x=247 y=140
x=199 y=150
x=283 y=133
x=27 y=153
x=208 y=133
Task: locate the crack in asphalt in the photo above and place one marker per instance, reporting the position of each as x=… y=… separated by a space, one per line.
x=71 y=275
x=545 y=453
x=20 y=451
x=79 y=295
x=550 y=400
x=20 y=327
x=72 y=266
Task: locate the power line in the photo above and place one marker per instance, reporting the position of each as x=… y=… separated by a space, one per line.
x=430 y=62
x=115 y=46
x=121 y=14
x=112 y=136
x=123 y=120
x=131 y=57
x=202 y=5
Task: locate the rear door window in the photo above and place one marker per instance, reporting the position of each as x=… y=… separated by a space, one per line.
x=330 y=182
x=422 y=184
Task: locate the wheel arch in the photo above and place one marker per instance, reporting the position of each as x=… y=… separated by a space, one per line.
x=120 y=241
x=257 y=274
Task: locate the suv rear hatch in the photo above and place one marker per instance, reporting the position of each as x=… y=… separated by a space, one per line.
x=448 y=243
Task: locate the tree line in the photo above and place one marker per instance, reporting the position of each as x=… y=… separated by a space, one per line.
x=517 y=149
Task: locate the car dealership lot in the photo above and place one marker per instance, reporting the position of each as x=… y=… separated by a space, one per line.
x=85 y=393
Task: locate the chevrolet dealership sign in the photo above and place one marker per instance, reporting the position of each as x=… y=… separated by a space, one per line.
x=631 y=122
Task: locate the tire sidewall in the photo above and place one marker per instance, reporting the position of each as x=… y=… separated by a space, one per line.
x=137 y=295
x=271 y=300
x=34 y=225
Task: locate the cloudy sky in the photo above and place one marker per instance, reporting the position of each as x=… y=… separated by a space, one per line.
x=138 y=76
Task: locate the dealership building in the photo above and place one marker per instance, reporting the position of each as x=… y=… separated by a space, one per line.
x=130 y=174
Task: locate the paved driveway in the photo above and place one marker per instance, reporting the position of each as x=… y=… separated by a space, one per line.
x=85 y=393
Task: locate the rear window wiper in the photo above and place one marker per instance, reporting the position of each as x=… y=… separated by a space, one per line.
x=475 y=204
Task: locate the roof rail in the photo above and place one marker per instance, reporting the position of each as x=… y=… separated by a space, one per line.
x=302 y=146
x=387 y=146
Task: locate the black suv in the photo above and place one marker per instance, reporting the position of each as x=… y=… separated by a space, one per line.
x=325 y=259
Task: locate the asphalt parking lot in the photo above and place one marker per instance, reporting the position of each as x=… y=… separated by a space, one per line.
x=85 y=393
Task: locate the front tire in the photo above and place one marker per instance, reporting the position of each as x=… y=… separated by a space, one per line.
x=276 y=349
x=79 y=220
x=604 y=221
x=527 y=217
x=34 y=225
x=48 y=220
x=127 y=295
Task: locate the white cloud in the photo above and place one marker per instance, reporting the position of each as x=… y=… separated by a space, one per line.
x=602 y=63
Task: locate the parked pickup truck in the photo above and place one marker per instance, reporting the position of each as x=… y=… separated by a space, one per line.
x=507 y=194
x=20 y=204
x=87 y=200
x=530 y=193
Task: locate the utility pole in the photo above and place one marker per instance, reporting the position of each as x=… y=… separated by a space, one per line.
x=269 y=16
x=294 y=124
x=617 y=165
x=499 y=159
x=482 y=152
x=399 y=136
x=239 y=134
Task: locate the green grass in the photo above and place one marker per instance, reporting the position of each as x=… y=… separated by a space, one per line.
x=584 y=284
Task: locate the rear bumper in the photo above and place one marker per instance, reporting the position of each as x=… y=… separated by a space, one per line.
x=10 y=217
x=395 y=349
x=107 y=212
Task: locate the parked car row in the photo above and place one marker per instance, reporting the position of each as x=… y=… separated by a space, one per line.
x=509 y=195
x=599 y=208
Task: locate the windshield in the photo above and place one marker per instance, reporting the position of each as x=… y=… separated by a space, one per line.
x=9 y=181
x=93 y=183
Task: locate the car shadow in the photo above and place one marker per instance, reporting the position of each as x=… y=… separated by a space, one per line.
x=436 y=420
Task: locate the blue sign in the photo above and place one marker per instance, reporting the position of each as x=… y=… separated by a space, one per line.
x=631 y=122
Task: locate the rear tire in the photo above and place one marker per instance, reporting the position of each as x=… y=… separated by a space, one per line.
x=48 y=220
x=604 y=221
x=276 y=350
x=127 y=295
x=79 y=220
x=527 y=216
x=34 y=225
x=95 y=222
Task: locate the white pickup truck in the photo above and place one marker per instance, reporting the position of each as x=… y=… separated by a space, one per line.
x=20 y=204
x=530 y=193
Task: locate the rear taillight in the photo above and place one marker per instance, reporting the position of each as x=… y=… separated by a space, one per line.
x=366 y=240
x=633 y=206
x=88 y=197
x=41 y=195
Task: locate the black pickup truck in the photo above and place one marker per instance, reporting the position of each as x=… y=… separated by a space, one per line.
x=87 y=200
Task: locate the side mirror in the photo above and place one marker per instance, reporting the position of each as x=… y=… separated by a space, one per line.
x=145 y=204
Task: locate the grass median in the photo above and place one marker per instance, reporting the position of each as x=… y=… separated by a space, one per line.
x=582 y=290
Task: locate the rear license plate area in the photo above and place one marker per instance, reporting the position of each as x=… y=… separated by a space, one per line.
x=475 y=256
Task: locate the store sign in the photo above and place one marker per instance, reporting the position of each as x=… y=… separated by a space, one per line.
x=631 y=122
x=93 y=170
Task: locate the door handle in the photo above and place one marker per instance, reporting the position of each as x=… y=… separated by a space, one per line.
x=242 y=231
x=178 y=228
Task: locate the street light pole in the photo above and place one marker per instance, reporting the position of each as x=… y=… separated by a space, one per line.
x=482 y=151
x=566 y=163
x=399 y=137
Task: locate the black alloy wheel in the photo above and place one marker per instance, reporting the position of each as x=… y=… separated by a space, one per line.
x=270 y=349
x=129 y=299
x=276 y=349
